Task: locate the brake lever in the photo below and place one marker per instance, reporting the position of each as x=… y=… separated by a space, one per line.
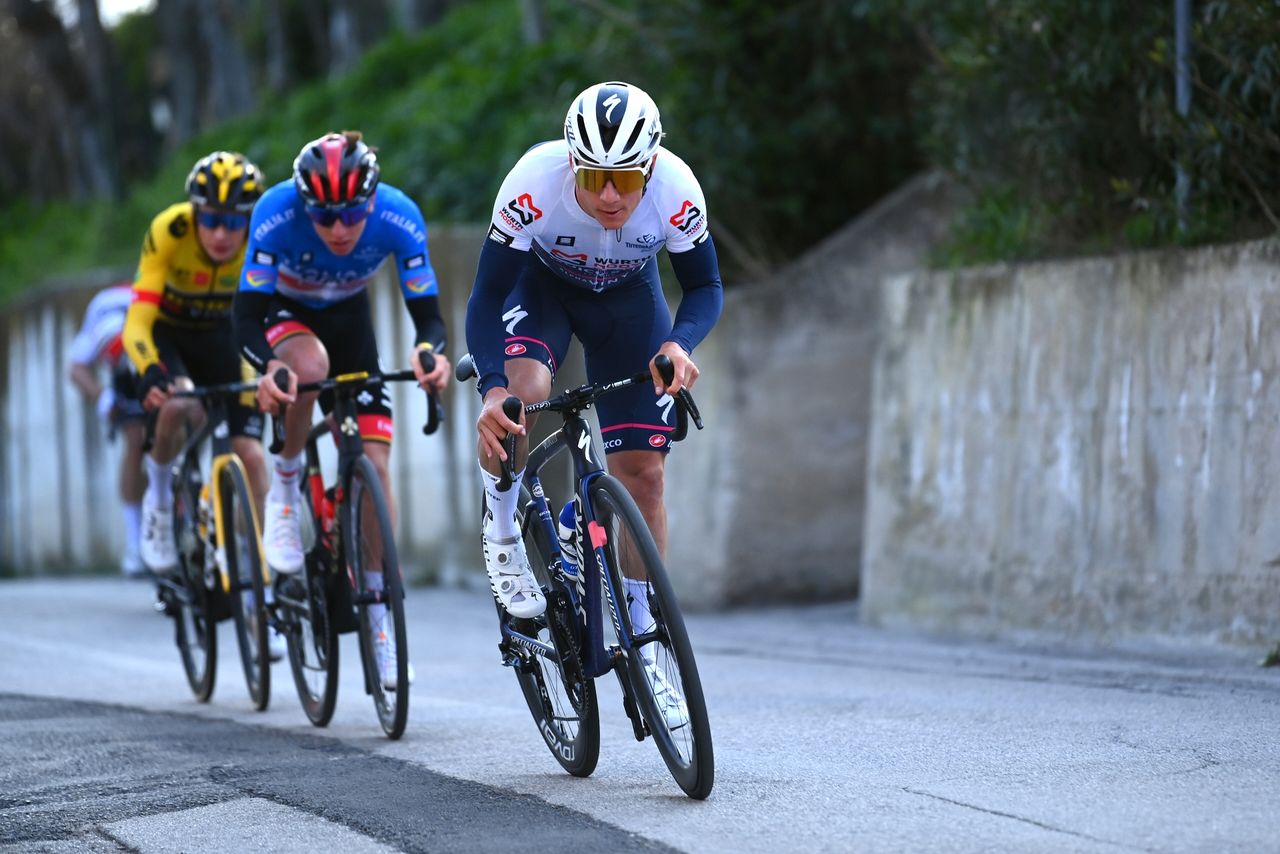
x=281 y=378
x=511 y=407
x=685 y=407
x=435 y=410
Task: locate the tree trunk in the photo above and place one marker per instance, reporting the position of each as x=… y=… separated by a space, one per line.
x=178 y=59
x=533 y=21
x=229 y=85
x=344 y=46
x=98 y=144
x=413 y=15
x=278 y=67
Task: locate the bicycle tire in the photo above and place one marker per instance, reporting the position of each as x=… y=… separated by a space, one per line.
x=364 y=502
x=243 y=557
x=685 y=747
x=312 y=646
x=560 y=697
x=196 y=629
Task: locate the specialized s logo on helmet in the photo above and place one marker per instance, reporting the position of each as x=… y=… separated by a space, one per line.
x=613 y=125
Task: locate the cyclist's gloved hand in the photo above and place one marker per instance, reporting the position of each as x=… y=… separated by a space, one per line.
x=686 y=372
x=438 y=377
x=269 y=395
x=153 y=386
x=493 y=425
x=106 y=403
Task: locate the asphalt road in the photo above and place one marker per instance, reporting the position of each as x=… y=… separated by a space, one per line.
x=830 y=736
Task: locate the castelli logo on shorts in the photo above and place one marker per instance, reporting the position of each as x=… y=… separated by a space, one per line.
x=657 y=440
x=515 y=349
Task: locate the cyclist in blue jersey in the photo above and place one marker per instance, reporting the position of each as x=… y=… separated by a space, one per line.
x=315 y=243
x=571 y=251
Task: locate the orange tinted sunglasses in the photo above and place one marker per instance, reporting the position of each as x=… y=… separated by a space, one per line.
x=625 y=180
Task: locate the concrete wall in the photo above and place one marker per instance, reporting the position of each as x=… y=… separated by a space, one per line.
x=1086 y=448
x=766 y=504
x=59 y=509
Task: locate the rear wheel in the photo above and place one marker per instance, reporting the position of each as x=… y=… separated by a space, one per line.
x=243 y=556
x=561 y=698
x=370 y=552
x=660 y=660
x=196 y=628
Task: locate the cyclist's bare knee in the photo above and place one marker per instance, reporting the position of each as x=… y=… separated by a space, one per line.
x=306 y=356
x=530 y=381
x=641 y=472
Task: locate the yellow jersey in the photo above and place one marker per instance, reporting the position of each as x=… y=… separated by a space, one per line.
x=177 y=283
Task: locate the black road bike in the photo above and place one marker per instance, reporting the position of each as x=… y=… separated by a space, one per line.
x=221 y=573
x=558 y=655
x=350 y=533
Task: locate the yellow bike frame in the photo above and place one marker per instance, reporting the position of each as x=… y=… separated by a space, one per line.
x=215 y=480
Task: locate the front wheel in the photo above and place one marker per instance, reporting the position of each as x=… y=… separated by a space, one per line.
x=561 y=698
x=241 y=546
x=302 y=600
x=196 y=629
x=372 y=563
x=660 y=667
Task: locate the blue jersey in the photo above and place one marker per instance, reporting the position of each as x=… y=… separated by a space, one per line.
x=285 y=255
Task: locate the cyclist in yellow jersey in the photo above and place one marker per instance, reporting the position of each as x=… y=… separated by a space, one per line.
x=178 y=332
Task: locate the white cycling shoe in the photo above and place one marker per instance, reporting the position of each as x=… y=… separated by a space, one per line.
x=282 y=536
x=156 y=546
x=276 y=645
x=510 y=578
x=384 y=649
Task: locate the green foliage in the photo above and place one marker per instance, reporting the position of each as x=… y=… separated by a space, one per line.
x=793 y=116
x=1071 y=102
x=1000 y=225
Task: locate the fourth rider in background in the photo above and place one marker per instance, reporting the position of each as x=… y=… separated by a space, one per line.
x=571 y=251
x=98 y=343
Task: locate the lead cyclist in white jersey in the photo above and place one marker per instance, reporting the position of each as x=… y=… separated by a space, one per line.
x=571 y=251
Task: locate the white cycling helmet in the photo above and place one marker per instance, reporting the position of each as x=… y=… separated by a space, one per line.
x=613 y=126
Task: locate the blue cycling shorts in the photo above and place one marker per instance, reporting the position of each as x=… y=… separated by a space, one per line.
x=620 y=329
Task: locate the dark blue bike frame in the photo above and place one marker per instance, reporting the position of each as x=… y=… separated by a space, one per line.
x=575 y=434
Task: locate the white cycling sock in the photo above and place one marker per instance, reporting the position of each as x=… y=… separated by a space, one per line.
x=285 y=484
x=502 y=506
x=159 y=480
x=638 y=605
x=132 y=527
x=377 y=611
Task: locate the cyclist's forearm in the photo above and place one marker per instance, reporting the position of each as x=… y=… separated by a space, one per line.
x=250 y=329
x=496 y=275
x=428 y=324
x=86 y=380
x=139 y=343
x=698 y=272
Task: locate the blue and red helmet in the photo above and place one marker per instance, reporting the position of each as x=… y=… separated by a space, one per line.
x=338 y=170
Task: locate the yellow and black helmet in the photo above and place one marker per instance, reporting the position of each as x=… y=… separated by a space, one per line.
x=225 y=180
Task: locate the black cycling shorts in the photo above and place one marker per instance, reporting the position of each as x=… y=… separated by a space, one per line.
x=210 y=357
x=346 y=331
